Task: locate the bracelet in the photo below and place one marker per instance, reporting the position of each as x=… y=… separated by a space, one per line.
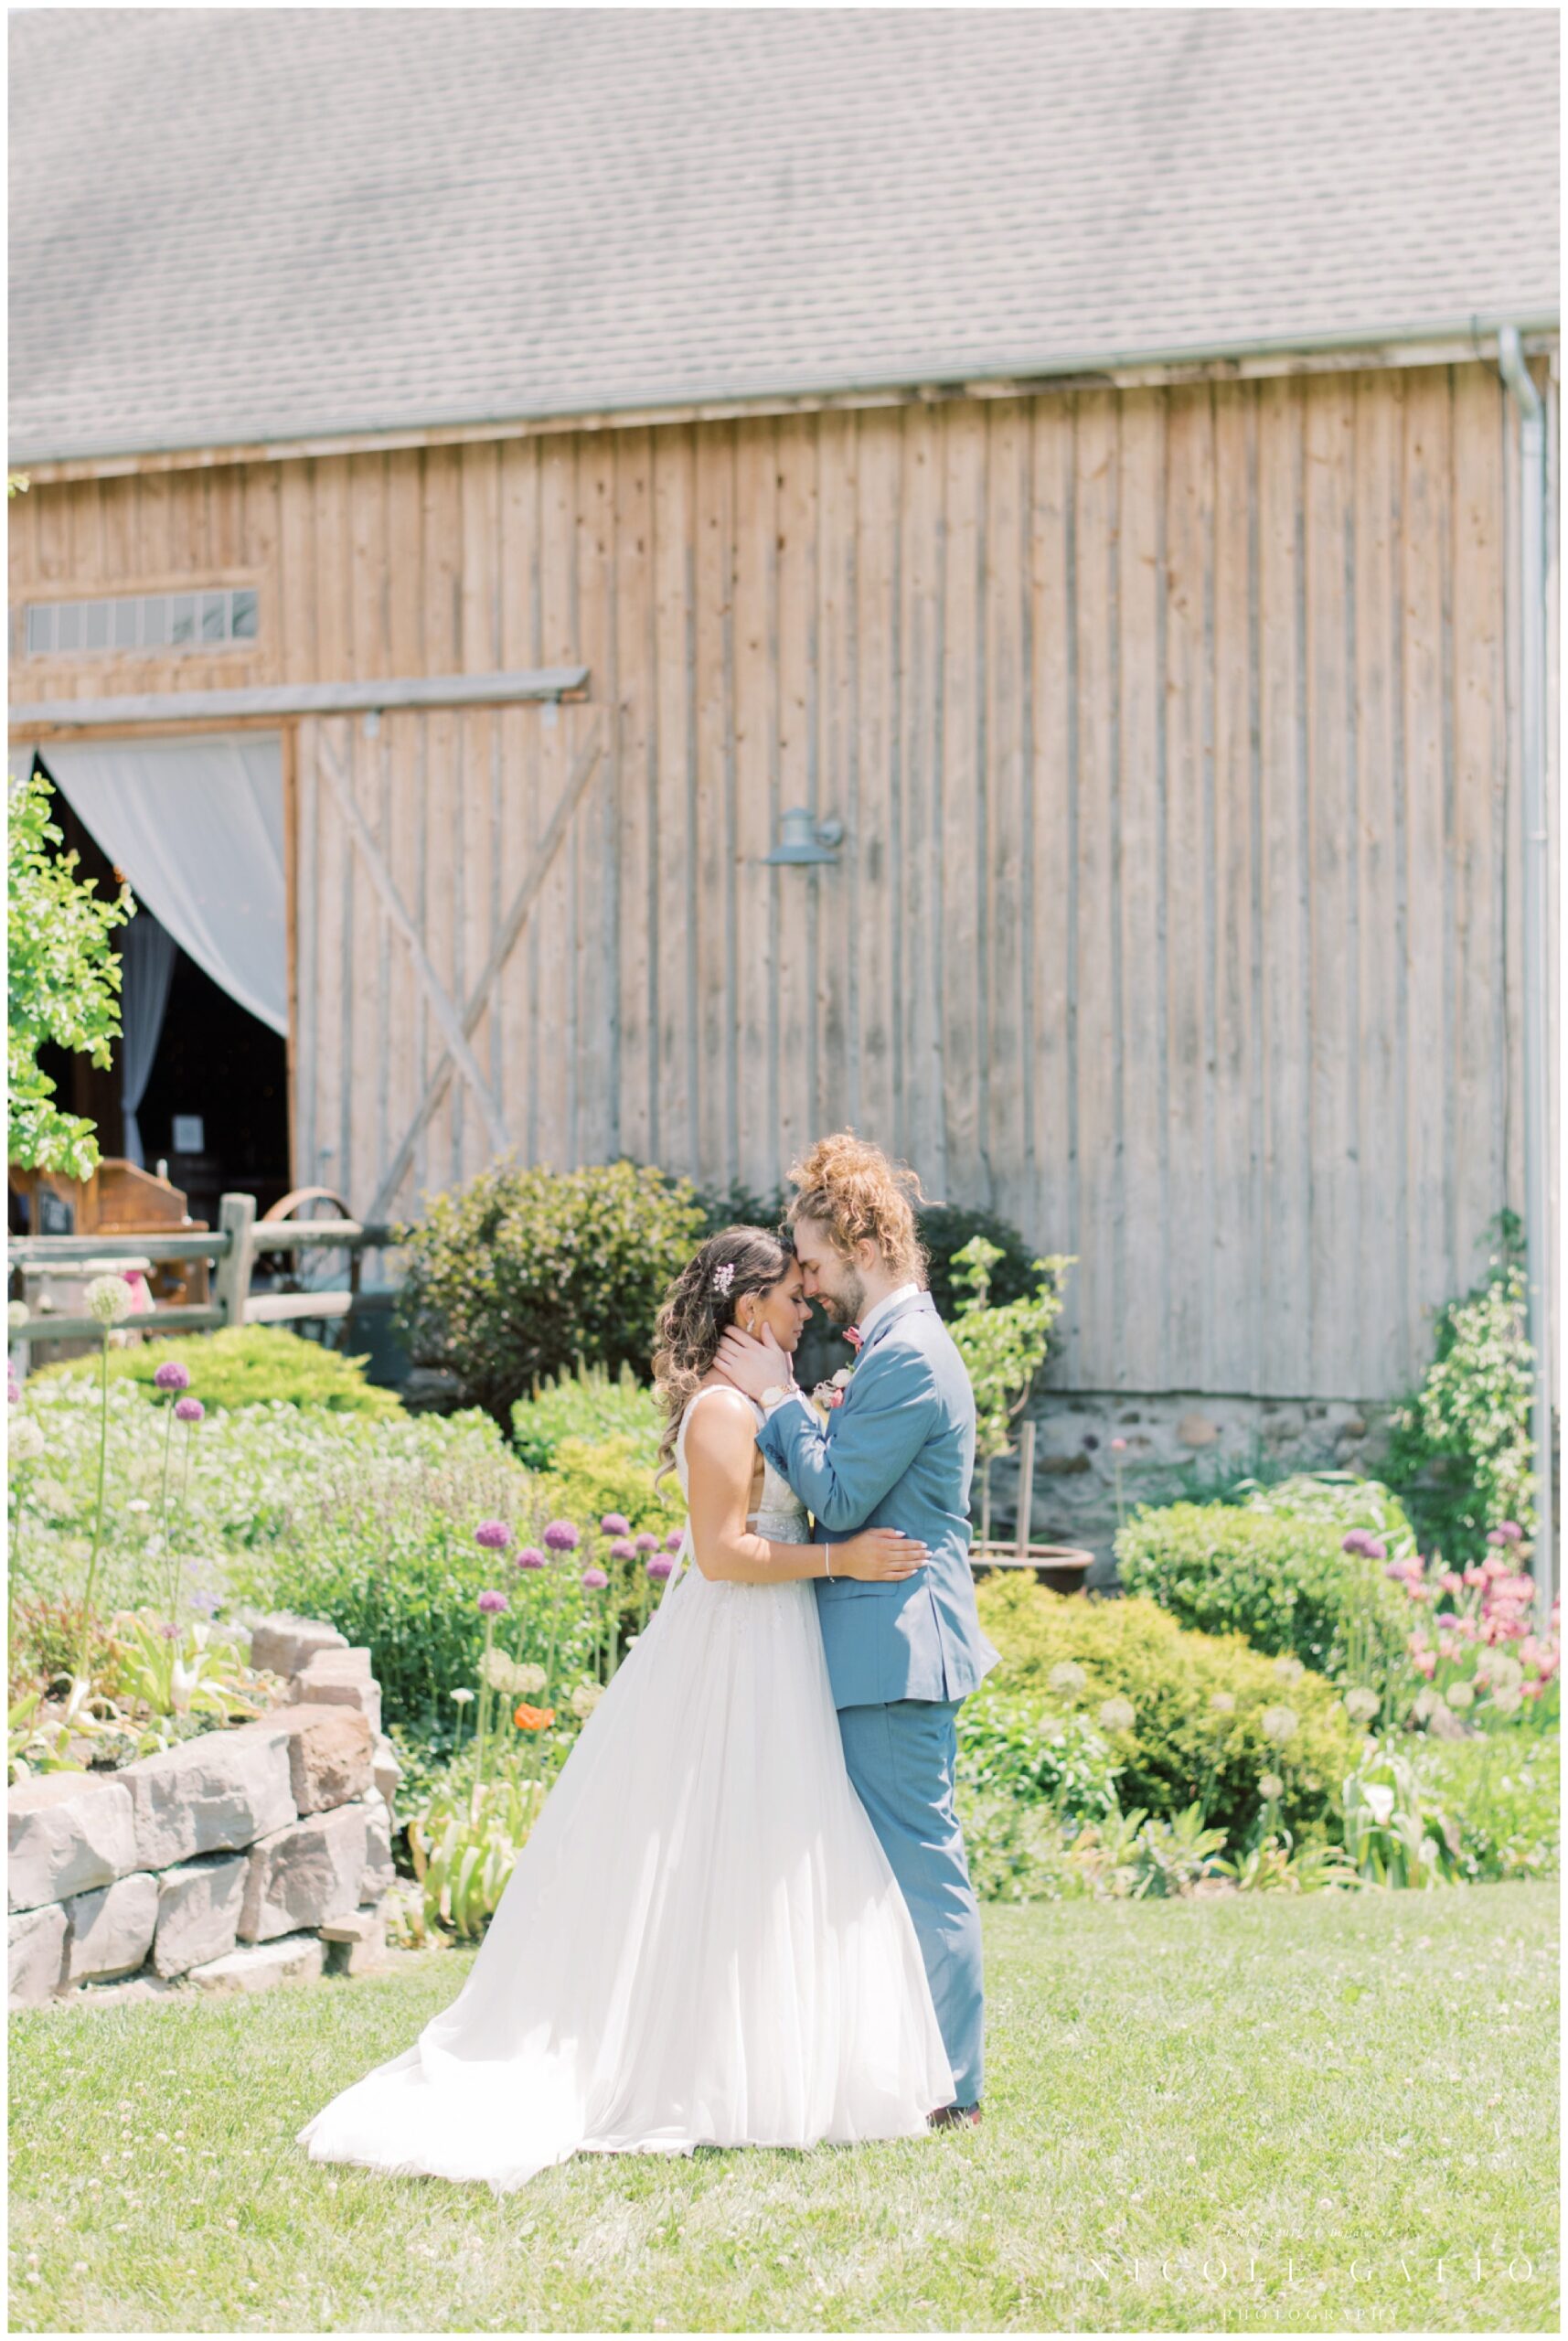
x=828 y=1560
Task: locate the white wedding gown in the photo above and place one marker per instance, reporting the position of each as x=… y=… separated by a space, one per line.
x=701 y=1941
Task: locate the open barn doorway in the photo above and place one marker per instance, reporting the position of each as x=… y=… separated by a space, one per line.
x=209 y=1096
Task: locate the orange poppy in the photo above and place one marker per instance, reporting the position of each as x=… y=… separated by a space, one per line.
x=533 y=1718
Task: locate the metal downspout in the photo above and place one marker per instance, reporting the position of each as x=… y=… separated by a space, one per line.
x=1532 y=731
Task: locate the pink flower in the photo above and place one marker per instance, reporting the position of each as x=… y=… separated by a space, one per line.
x=562 y=1536
x=1474 y=1577
x=141 y=1292
x=190 y=1410
x=490 y=1602
x=530 y=1557
x=1451 y=1582
x=1118 y=1446
x=493 y=1534
x=623 y=1549
x=594 y=1580
x=660 y=1566
x=1509 y=1532
x=854 y=1336
x=615 y=1523
x=836 y=1398
x=673 y=1542
x=172 y=1375
x=1424 y=1662
x=647 y=1543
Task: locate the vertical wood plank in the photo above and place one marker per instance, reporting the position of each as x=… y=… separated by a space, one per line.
x=441 y=534
x=878 y=917
x=1004 y=941
x=637 y=793
x=921 y=1129
x=953 y=942
x=478 y=908
x=797 y=689
x=1053 y=1222
x=1146 y=1339
x=518 y=751
x=710 y=873
x=1287 y=1187
x=756 y=800
x=674 y=499
x=1426 y=468
x=837 y=1103
x=1187 y=1213
x=1235 y=1239
x=596 y=844
x=1100 y=1277
x=1331 y=876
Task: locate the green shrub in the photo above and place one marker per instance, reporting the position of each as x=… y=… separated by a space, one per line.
x=1460 y=1450
x=1337 y=1500
x=1281 y=1579
x=615 y=1474
x=244 y=1366
x=1014 y=1743
x=1181 y=1746
x=589 y=1406
x=1017 y=1850
x=1499 y=1799
x=522 y=1273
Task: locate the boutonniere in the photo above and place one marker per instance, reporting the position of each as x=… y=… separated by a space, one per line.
x=830 y=1394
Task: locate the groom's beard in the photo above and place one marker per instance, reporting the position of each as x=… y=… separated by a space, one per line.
x=847 y=1306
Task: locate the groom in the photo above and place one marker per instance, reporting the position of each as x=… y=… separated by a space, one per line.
x=898 y=1452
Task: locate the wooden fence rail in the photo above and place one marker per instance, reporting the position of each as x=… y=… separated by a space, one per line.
x=231 y=1247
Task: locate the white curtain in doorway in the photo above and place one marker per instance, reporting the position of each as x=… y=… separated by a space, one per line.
x=198 y=828
x=147 y=971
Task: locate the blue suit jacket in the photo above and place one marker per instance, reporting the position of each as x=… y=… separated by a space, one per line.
x=898 y=1453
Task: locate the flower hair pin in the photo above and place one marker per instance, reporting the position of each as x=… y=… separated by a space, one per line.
x=724 y=1276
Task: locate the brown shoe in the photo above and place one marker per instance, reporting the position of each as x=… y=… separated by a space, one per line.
x=954 y=2117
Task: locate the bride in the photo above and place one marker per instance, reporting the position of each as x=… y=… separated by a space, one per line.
x=701 y=1942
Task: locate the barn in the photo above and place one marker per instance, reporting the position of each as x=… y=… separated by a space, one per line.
x=655 y=582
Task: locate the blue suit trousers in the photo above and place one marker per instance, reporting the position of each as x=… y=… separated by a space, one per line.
x=900 y=1757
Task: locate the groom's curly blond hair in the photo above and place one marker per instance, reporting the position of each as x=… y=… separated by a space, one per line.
x=848 y=1187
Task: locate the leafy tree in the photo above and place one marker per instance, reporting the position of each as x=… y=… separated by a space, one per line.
x=64 y=980
x=1003 y=1346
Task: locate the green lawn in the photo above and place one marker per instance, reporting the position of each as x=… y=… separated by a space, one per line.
x=1315 y=2115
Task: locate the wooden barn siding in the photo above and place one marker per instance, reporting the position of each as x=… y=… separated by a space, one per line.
x=1176 y=734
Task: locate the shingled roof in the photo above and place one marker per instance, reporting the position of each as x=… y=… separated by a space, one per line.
x=240 y=224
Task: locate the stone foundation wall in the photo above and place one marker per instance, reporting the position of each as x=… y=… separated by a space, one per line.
x=1176 y=1443
x=230 y=1858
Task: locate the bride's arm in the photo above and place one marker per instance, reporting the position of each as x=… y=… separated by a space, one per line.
x=720 y=1457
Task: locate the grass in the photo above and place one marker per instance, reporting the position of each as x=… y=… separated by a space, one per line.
x=1257 y=2114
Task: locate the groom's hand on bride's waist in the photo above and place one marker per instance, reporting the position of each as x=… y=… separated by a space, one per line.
x=761 y=1368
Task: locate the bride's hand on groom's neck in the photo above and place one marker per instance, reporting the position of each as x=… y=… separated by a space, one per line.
x=754 y=1366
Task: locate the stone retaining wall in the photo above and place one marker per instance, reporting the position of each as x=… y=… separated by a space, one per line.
x=233 y=1858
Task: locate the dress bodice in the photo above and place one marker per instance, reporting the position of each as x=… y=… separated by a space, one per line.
x=781 y=1515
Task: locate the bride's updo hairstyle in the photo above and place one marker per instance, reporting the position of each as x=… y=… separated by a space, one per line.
x=850 y=1188
x=700 y=1307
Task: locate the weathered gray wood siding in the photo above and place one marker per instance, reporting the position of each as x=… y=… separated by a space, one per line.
x=1176 y=735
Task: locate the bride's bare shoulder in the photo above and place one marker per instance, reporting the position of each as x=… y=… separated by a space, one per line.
x=726 y=1421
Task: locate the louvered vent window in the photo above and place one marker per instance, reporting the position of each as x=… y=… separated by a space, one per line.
x=204 y=621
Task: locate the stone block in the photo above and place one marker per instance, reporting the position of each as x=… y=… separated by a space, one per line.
x=68 y=1831
x=198 y=1911
x=284 y=1644
x=209 y=1795
x=36 y=1953
x=128 y=1992
x=254 y=1967
x=313 y=1869
x=330 y=1749
x=111 y=1927
x=386 y=1770
x=378 y=1871
x=339 y=1678
x=357 y=1944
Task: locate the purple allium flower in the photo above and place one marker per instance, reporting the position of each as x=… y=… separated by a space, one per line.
x=171 y=1633
x=1375 y=1549
x=647 y=1543
x=492 y=1600
x=562 y=1536
x=12 y=1387
x=494 y=1534
x=660 y=1566
x=672 y=1543
x=172 y=1375
x=623 y=1549
x=615 y=1523
x=530 y=1557
x=188 y=1410
x=1355 y=1540
x=594 y=1580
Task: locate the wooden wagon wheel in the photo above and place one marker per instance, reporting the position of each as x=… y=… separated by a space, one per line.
x=315 y=1269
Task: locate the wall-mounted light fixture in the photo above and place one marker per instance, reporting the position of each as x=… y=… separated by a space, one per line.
x=804 y=839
